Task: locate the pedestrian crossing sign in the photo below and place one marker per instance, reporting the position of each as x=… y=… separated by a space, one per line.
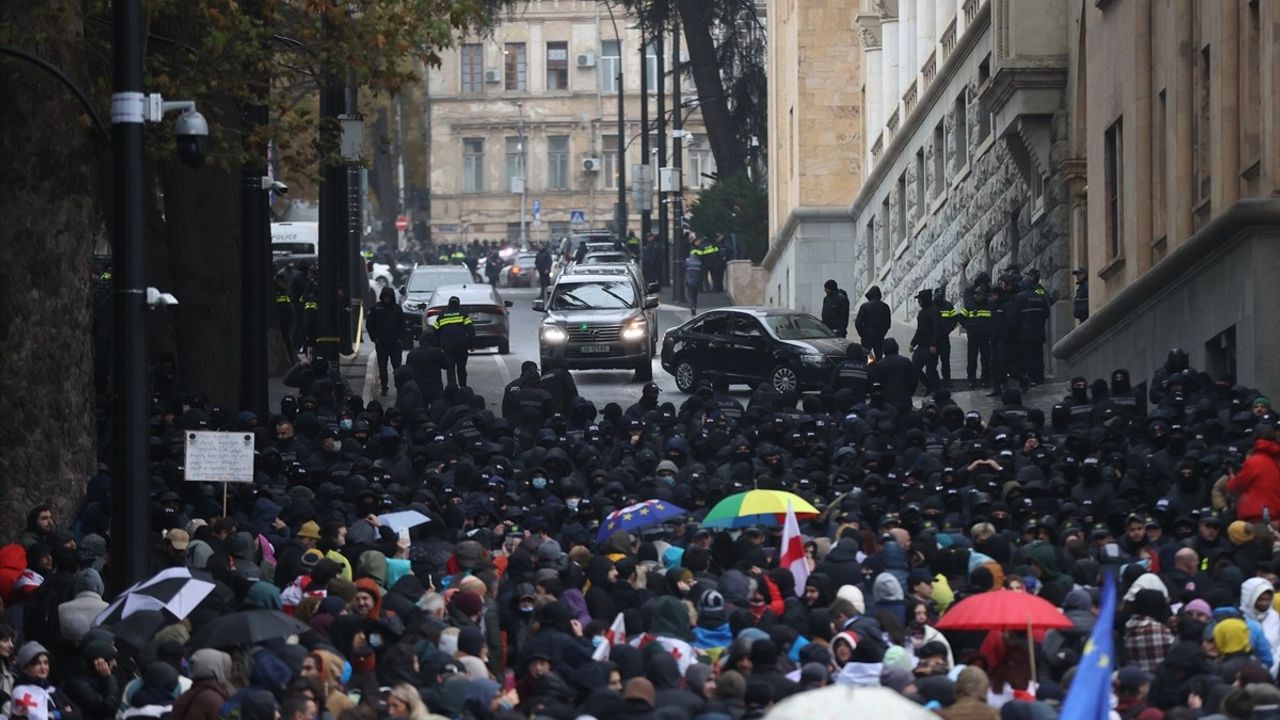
x=577 y=217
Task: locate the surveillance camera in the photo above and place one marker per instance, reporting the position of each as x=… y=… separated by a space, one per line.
x=193 y=135
x=274 y=186
x=156 y=299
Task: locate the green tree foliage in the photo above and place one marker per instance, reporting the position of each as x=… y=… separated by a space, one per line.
x=735 y=205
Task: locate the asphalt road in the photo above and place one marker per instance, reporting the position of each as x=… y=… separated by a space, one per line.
x=488 y=372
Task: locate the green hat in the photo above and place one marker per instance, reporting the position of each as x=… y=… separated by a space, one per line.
x=1262 y=400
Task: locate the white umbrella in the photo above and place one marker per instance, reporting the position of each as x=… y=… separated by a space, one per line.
x=404 y=519
x=845 y=702
x=173 y=590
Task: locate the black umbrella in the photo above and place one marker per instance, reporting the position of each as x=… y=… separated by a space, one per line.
x=248 y=627
x=139 y=629
x=176 y=591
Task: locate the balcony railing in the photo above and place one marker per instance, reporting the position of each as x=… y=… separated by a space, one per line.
x=949 y=39
x=970 y=9
x=909 y=99
x=892 y=124
x=930 y=70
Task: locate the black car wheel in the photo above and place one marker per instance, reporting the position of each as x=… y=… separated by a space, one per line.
x=783 y=379
x=686 y=375
x=644 y=371
x=504 y=347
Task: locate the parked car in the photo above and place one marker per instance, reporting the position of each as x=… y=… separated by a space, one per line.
x=422 y=282
x=519 y=272
x=607 y=257
x=598 y=321
x=789 y=349
x=488 y=311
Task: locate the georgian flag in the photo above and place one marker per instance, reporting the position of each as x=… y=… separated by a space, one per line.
x=791 y=556
x=617 y=633
x=682 y=651
x=29 y=701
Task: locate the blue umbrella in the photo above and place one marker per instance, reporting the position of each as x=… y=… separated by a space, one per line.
x=638 y=516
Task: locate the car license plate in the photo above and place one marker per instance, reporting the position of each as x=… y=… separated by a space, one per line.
x=592 y=349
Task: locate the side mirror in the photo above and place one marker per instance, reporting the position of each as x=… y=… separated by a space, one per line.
x=650 y=302
x=404 y=290
x=652 y=288
x=507 y=303
x=539 y=305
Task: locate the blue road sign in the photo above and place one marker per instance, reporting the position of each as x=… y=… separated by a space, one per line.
x=537 y=208
x=577 y=217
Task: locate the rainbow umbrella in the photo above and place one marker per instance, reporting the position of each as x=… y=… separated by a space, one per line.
x=757 y=507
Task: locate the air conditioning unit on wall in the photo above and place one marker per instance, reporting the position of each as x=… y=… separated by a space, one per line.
x=587 y=60
x=591 y=164
x=492 y=76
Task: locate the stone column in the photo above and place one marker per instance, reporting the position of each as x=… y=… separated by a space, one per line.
x=907 y=65
x=873 y=113
x=926 y=30
x=944 y=10
x=889 y=59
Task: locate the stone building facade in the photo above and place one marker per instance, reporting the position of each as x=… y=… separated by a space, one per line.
x=815 y=147
x=547 y=74
x=958 y=186
x=1174 y=186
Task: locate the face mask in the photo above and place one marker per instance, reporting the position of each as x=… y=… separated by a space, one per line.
x=667 y=478
x=572 y=503
x=346 y=424
x=539 y=483
x=526 y=610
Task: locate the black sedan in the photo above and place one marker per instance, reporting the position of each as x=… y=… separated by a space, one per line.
x=788 y=349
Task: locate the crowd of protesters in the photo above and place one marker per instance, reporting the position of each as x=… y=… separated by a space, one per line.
x=497 y=607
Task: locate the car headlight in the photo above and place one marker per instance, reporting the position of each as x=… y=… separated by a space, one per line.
x=808 y=359
x=634 y=330
x=554 y=334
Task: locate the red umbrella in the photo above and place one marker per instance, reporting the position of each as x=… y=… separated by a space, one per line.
x=1004 y=610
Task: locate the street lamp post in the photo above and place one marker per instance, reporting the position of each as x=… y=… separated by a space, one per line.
x=524 y=175
x=620 y=211
x=129 y=517
x=678 y=248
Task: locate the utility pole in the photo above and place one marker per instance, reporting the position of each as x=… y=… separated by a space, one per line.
x=679 y=250
x=351 y=292
x=646 y=215
x=426 y=134
x=400 y=198
x=524 y=175
x=130 y=517
x=661 y=87
x=333 y=217
x=255 y=253
x=620 y=208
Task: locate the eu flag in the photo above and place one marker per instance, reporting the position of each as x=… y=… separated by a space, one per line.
x=1089 y=697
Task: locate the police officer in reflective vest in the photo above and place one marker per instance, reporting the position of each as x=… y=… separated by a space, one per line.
x=454 y=332
x=284 y=309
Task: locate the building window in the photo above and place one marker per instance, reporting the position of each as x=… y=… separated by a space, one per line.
x=1113 y=167
x=869 y=238
x=609 y=164
x=557 y=230
x=984 y=115
x=515 y=164
x=701 y=165
x=516 y=67
x=472 y=68
x=900 y=219
x=1251 y=88
x=651 y=68
x=557 y=66
x=610 y=63
x=1035 y=191
x=922 y=193
x=1200 y=119
x=558 y=162
x=886 y=233
x=513 y=232
x=473 y=165
x=1159 y=167
x=939 y=150
x=960 y=132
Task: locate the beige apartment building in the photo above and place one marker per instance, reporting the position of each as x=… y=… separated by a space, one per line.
x=1175 y=178
x=815 y=147
x=537 y=99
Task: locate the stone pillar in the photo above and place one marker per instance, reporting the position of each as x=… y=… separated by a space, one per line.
x=944 y=10
x=926 y=30
x=907 y=65
x=890 y=56
x=873 y=114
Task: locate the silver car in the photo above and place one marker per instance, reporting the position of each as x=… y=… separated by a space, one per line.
x=488 y=312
